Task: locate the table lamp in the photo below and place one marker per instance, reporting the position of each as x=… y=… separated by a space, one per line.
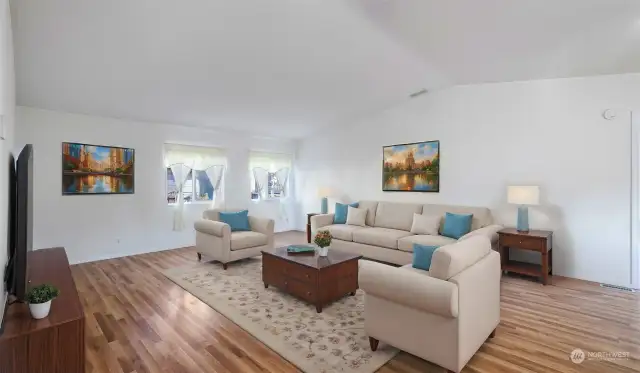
x=323 y=194
x=523 y=196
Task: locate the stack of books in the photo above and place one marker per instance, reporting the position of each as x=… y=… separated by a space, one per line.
x=300 y=249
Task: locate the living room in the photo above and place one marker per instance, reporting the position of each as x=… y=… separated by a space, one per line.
x=463 y=175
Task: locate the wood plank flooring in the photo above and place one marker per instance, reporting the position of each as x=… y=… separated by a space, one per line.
x=140 y=322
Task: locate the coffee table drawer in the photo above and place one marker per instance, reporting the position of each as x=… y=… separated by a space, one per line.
x=300 y=289
x=300 y=272
x=529 y=243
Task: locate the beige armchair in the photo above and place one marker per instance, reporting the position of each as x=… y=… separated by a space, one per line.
x=442 y=315
x=215 y=239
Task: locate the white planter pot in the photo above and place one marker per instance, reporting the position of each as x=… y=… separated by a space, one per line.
x=40 y=310
x=323 y=251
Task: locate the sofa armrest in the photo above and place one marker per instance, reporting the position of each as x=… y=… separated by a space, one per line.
x=214 y=228
x=321 y=220
x=262 y=225
x=490 y=231
x=409 y=289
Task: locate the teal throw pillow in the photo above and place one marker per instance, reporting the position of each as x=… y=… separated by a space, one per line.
x=456 y=225
x=340 y=216
x=422 y=255
x=238 y=221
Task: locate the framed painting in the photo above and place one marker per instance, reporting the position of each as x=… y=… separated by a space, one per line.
x=411 y=167
x=97 y=169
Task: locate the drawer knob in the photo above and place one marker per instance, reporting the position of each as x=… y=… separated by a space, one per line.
x=307 y=276
x=286 y=283
x=308 y=293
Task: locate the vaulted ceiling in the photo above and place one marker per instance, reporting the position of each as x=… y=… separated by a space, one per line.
x=289 y=67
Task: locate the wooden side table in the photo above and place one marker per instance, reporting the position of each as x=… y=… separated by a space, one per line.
x=534 y=240
x=309 y=215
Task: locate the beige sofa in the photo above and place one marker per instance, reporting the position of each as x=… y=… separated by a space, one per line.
x=386 y=236
x=215 y=239
x=443 y=315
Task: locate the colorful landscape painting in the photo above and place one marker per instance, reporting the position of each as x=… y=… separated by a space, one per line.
x=96 y=169
x=411 y=167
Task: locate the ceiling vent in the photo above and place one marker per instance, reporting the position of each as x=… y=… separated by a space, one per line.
x=419 y=93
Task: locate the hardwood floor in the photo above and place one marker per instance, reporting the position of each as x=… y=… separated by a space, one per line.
x=138 y=321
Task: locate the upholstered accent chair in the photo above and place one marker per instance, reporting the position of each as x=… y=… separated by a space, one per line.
x=216 y=240
x=443 y=315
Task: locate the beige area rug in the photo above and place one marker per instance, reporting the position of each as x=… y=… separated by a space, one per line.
x=327 y=342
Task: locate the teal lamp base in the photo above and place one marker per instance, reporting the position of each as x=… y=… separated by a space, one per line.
x=523 y=219
x=324 y=205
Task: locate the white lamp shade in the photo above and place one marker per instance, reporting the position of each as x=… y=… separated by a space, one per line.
x=325 y=192
x=523 y=195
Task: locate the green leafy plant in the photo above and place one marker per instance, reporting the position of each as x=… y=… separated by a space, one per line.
x=323 y=238
x=42 y=293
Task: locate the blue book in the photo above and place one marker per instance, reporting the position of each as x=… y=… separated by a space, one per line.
x=300 y=249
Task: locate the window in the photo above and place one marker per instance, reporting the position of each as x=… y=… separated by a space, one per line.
x=269 y=174
x=198 y=169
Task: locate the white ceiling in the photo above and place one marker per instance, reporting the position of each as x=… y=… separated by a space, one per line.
x=289 y=67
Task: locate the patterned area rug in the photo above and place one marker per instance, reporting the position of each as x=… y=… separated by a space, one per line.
x=327 y=342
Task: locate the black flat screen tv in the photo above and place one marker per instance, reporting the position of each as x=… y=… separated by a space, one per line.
x=20 y=240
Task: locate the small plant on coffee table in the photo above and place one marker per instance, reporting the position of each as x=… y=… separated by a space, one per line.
x=323 y=239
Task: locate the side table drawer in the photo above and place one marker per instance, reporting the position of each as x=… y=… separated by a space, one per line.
x=529 y=243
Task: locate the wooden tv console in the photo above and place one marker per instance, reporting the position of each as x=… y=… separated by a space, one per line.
x=54 y=344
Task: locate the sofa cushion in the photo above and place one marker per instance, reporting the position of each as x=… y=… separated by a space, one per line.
x=247 y=239
x=422 y=255
x=452 y=259
x=371 y=207
x=456 y=225
x=384 y=237
x=340 y=216
x=481 y=215
x=396 y=215
x=341 y=231
x=356 y=216
x=406 y=243
x=426 y=224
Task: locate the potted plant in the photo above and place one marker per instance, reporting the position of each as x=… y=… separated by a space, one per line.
x=323 y=240
x=39 y=298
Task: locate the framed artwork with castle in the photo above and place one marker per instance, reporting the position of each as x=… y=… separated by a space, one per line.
x=96 y=169
x=411 y=167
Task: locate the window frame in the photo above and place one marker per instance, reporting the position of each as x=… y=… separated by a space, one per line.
x=270 y=196
x=194 y=182
x=194 y=199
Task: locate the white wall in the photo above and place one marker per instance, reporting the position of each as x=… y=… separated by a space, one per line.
x=104 y=226
x=7 y=109
x=549 y=133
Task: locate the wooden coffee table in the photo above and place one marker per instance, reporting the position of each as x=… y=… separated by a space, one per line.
x=317 y=280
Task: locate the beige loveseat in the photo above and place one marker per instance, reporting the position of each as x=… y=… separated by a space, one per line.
x=443 y=315
x=215 y=239
x=387 y=237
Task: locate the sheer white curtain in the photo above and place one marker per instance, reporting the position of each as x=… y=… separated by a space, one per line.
x=261 y=165
x=181 y=173
x=282 y=175
x=182 y=159
x=215 y=176
x=260 y=182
